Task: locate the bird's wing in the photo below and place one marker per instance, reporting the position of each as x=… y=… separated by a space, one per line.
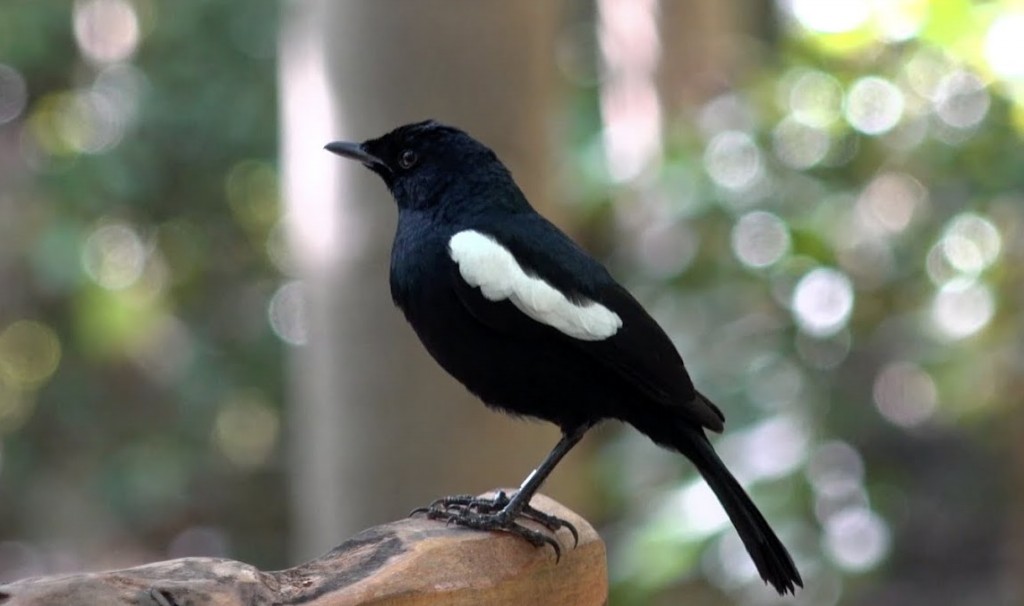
x=526 y=279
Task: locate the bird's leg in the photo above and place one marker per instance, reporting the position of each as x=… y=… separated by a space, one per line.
x=502 y=512
x=519 y=504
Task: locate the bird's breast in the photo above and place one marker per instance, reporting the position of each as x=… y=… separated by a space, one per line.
x=418 y=257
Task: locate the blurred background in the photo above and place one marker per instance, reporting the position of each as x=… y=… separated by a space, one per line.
x=822 y=202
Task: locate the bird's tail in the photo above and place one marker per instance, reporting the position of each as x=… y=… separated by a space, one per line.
x=770 y=557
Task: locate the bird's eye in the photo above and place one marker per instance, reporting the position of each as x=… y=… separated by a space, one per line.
x=407 y=159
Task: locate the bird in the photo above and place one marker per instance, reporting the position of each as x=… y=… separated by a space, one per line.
x=534 y=326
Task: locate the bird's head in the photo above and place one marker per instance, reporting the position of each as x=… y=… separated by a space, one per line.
x=422 y=162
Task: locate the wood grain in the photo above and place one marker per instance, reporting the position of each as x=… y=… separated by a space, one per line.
x=410 y=562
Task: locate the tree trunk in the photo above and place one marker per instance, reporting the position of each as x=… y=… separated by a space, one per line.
x=703 y=49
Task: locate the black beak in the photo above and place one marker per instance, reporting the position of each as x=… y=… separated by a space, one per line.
x=355 y=151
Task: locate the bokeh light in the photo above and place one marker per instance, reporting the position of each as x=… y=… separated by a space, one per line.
x=121 y=86
x=733 y=160
x=832 y=17
x=937 y=265
x=835 y=468
x=925 y=69
x=113 y=256
x=287 y=313
x=905 y=394
x=770 y=449
x=13 y=93
x=90 y=122
x=890 y=202
x=873 y=105
x=961 y=99
x=279 y=251
x=85 y=121
x=971 y=243
x=697 y=510
x=29 y=354
x=798 y=145
x=857 y=539
x=962 y=307
x=822 y=301
x=246 y=430
x=899 y=20
x=1004 y=45
x=106 y=30
x=759 y=239
x=814 y=98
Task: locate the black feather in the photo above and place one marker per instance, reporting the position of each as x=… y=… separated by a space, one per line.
x=444 y=183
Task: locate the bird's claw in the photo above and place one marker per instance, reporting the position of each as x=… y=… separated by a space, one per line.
x=483 y=513
x=444 y=503
x=495 y=522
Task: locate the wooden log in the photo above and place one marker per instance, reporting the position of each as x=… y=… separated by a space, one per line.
x=411 y=562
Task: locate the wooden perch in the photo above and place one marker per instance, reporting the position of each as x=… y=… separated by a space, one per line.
x=411 y=562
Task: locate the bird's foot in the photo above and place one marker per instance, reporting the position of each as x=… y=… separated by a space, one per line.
x=494 y=505
x=484 y=513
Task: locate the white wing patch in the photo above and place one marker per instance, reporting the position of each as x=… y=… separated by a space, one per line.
x=485 y=264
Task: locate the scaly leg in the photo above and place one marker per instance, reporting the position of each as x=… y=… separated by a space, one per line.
x=502 y=512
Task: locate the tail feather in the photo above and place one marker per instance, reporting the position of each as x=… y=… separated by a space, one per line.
x=773 y=562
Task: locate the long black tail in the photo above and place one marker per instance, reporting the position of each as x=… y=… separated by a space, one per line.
x=770 y=556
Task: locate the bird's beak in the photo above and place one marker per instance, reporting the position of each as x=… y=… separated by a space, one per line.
x=355 y=151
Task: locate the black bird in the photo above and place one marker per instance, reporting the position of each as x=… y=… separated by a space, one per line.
x=533 y=325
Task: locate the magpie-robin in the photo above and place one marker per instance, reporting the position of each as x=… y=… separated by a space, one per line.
x=533 y=325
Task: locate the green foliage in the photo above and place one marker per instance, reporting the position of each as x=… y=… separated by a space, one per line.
x=144 y=198
x=854 y=204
